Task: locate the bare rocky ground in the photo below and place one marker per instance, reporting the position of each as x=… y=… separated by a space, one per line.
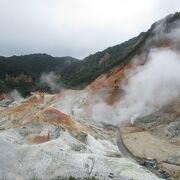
x=157 y=136
x=42 y=137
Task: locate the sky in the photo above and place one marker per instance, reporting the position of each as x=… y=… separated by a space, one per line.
x=75 y=27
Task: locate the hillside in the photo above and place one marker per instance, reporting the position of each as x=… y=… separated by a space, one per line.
x=72 y=72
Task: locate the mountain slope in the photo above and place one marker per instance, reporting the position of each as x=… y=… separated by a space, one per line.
x=94 y=65
x=74 y=73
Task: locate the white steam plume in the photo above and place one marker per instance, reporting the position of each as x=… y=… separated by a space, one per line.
x=163 y=32
x=150 y=87
x=52 y=81
x=16 y=96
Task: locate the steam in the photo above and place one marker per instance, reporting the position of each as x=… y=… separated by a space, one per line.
x=152 y=82
x=150 y=87
x=52 y=81
x=165 y=31
x=16 y=96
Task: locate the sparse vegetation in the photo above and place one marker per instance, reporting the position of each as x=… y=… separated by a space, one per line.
x=89 y=166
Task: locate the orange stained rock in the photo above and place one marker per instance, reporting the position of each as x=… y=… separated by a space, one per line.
x=36 y=98
x=29 y=103
x=54 y=116
x=109 y=84
x=111 y=79
x=37 y=139
x=131 y=129
x=114 y=96
x=22 y=107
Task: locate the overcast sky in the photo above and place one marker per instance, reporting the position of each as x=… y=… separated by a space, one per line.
x=75 y=27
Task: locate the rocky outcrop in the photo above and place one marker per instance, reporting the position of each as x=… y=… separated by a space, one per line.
x=46 y=142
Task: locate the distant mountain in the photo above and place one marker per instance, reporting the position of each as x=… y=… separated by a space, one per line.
x=23 y=72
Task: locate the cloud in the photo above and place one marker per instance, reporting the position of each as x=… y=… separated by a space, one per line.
x=75 y=28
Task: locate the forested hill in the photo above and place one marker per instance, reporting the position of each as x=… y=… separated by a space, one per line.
x=23 y=72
